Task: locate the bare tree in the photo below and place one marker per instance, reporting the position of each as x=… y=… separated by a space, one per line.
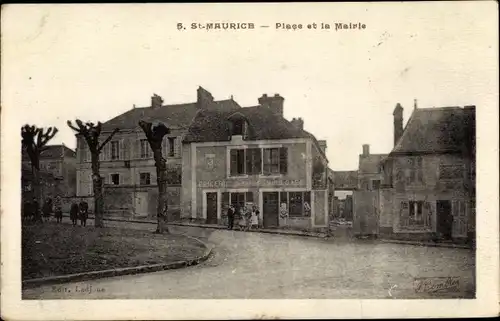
x=154 y=134
x=34 y=141
x=91 y=132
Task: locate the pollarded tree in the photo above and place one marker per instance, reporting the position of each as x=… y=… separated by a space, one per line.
x=34 y=141
x=155 y=134
x=91 y=133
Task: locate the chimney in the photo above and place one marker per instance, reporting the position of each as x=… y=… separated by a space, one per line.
x=298 y=123
x=398 y=123
x=274 y=103
x=322 y=145
x=204 y=98
x=156 y=101
x=366 y=150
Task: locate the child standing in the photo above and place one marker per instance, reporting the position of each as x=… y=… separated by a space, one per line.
x=254 y=218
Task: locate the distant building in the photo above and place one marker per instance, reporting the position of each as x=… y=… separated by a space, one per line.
x=254 y=156
x=57 y=165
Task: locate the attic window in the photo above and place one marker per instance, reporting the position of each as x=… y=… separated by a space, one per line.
x=238 y=126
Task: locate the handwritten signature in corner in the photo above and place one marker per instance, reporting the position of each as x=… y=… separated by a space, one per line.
x=436 y=284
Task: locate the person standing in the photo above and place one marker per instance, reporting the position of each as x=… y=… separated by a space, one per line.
x=37 y=217
x=230 y=216
x=58 y=209
x=84 y=208
x=254 y=218
x=47 y=209
x=73 y=213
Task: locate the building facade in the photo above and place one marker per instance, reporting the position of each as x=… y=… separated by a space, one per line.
x=127 y=164
x=59 y=163
x=428 y=187
x=254 y=157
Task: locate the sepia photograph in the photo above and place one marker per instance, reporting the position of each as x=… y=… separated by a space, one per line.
x=253 y=161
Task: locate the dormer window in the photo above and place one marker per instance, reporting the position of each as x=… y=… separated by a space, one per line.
x=238 y=127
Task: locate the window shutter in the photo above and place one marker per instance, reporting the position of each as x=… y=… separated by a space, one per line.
x=179 y=145
x=164 y=147
x=108 y=151
x=234 y=161
x=249 y=155
x=88 y=154
x=404 y=213
x=283 y=160
x=101 y=155
x=177 y=149
x=257 y=160
x=122 y=149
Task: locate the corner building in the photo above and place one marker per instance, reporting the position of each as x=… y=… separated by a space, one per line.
x=252 y=156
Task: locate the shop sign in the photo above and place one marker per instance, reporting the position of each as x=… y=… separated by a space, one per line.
x=250 y=183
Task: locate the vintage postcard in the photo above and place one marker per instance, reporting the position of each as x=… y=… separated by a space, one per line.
x=251 y=161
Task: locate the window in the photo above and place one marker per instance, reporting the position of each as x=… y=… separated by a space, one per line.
x=145 y=149
x=415 y=214
x=115 y=179
x=414 y=172
x=415 y=208
x=275 y=161
x=253 y=161
x=115 y=150
x=237 y=166
x=296 y=204
x=450 y=171
x=171 y=146
x=145 y=178
x=239 y=200
x=238 y=127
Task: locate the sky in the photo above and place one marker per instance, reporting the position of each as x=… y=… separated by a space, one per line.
x=95 y=62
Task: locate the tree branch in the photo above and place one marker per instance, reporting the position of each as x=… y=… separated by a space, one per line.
x=116 y=130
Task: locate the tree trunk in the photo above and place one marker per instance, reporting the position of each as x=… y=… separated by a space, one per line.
x=37 y=186
x=97 y=187
x=161 y=179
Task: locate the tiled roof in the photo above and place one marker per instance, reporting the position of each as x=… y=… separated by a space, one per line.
x=345 y=179
x=175 y=116
x=211 y=126
x=53 y=151
x=431 y=130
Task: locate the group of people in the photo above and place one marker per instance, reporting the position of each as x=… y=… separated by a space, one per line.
x=32 y=211
x=247 y=220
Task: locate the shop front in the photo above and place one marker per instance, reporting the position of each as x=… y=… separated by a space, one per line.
x=282 y=203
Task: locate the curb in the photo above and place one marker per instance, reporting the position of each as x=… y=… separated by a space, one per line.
x=85 y=276
x=219 y=227
x=454 y=246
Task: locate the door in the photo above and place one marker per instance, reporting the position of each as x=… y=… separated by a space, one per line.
x=366 y=212
x=270 y=209
x=444 y=219
x=141 y=204
x=212 y=208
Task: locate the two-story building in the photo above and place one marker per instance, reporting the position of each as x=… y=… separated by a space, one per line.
x=59 y=162
x=253 y=156
x=429 y=176
x=127 y=164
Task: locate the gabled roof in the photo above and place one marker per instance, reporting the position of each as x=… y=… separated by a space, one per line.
x=53 y=151
x=175 y=116
x=437 y=130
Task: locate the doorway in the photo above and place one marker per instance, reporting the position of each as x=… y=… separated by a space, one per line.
x=141 y=204
x=212 y=208
x=444 y=219
x=270 y=209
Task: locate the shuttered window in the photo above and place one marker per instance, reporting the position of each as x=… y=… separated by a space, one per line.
x=237 y=165
x=253 y=161
x=275 y=161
